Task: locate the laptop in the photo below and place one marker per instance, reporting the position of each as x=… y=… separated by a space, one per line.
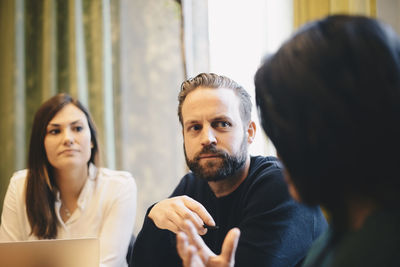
x=50 y=253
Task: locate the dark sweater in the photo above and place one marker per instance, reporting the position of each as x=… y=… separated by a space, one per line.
x=275 y=230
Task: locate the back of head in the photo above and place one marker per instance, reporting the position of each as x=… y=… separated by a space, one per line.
x=329 y=99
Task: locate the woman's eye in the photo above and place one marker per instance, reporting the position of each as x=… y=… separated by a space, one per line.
x=54 y=131
x=78 y=128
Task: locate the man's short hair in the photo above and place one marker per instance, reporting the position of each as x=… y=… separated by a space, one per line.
x=329 y=100
x=211 y=80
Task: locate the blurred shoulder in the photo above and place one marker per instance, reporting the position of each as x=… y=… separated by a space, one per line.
x=265 y=162
x=269 y=168
x=19 y=177
x=266 y=178
x=115 y=176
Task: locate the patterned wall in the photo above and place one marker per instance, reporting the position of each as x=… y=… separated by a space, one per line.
x=151 y=73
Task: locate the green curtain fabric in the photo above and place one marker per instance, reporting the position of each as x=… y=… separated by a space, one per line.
x=51 y=46
x=122 y=59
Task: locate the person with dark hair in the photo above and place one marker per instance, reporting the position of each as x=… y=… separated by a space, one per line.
x=227 y=187
x=329 y=99
x=63 y=194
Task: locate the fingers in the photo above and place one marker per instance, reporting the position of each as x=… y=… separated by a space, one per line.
x=171 y=225
x=190 y=211
x=196 y=249
x=187 y=252
x=199 y=209
x=194 y=252
x=164 y=217
x=171 y=213
x=194 y=259
x=230 y=245
x=182 y=245
x=194 y=239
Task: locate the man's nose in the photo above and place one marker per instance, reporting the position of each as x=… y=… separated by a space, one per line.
x=208 y=136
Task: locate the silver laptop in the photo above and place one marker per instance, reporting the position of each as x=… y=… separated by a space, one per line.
x=50 y=253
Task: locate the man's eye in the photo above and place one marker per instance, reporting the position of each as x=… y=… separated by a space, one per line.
x=222 y=124
x=195 y=127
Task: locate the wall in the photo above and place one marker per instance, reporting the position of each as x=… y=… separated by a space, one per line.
x=151 y=74
x=389 y=12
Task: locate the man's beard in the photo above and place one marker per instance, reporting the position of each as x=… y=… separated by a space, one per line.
x=218 y=169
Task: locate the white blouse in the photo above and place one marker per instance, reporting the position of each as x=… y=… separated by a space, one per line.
x=106 y=210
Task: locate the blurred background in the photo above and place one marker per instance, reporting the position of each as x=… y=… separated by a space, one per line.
x=125 y=61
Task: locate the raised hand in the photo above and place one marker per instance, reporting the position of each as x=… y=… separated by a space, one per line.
x=171 y=213
x=195 y=253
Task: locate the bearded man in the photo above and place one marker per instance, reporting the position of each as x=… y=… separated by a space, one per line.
x=227 y=187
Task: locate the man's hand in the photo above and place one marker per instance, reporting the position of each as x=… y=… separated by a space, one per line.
x=171 y=213
x=195 y=253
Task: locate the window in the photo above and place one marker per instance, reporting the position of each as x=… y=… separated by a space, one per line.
x=241 y=33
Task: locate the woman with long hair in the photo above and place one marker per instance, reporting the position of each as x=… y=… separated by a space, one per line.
x=63 y=194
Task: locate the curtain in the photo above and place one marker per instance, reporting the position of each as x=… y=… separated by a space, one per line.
x=52 y=46
x=308 y=10
x=122 y=59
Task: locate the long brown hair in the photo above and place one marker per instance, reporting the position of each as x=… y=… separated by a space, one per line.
x=40 y=186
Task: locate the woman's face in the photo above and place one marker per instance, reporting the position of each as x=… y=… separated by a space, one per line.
x=68 y=139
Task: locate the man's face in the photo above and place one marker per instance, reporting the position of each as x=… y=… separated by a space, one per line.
x=215 y=140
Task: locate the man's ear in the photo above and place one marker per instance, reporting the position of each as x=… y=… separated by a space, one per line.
x=251 y=132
